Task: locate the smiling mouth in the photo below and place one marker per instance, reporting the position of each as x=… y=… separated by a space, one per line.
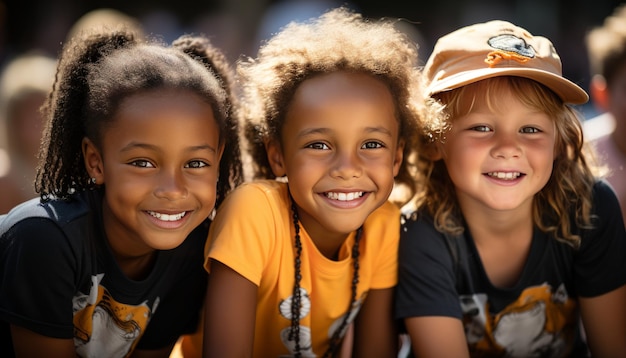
x=344 y=196
x=167 y=217
x=505 y=175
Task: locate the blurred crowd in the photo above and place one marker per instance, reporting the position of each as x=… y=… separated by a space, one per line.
x=33 y=31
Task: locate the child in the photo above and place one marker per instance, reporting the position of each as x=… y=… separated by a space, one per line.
x=514 y=237
x=606 y=48
x=109 y=261
x=24 y=84
x=332 y=113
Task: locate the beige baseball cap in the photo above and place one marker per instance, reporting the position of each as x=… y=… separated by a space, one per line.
x=497 y=48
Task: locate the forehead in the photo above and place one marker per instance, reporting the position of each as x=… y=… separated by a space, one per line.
x=344 y=84
x=156 y=113
x=342 y=96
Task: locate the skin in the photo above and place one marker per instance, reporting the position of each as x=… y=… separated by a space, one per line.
x=515 y=143
x=340 y=136
x=499 y=216
x=161 y=154
x=480 y=147
x=604 y=318
x=159 y=158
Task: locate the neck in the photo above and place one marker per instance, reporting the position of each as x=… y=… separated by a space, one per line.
x=330 y=248
x=502 y=227
x=327 y=242
x=136 y=268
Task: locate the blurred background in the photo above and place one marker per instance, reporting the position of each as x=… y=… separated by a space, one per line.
x=238 y=26
x=37 y=29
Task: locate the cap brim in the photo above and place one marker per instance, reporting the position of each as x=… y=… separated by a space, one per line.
x=564 y=88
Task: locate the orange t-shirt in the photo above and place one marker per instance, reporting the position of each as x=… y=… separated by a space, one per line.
x=253 y=234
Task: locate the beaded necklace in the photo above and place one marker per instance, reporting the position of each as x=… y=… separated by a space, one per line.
x=294 y=334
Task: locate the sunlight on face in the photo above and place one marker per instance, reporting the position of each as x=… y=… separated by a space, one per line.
x=339 y=150
x=160 y=167
x=500 y=156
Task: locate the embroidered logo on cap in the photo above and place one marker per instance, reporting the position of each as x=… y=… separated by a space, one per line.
x=509 y=47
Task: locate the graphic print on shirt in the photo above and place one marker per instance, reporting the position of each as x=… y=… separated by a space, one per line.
x=104 y=327
x=540 y=323
x=305 y=332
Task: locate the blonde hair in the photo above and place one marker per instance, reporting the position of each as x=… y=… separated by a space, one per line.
x=564 y=200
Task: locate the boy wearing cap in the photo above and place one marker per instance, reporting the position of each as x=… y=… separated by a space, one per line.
x=515 y=240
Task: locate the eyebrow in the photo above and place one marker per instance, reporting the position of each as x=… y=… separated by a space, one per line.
x=137 y=145
x=322 y=130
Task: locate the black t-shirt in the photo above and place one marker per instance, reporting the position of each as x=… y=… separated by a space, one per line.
x=538 y=316
x=58 y=277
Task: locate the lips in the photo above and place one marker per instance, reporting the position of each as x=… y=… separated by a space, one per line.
x=167 y=217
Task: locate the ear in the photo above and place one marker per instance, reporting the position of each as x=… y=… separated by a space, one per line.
x=599 y=93
x=399 y=155
x=93 y=161
x=275 y=157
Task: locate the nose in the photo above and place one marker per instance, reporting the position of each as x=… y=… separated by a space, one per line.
x=346 y=165
x=506 y=145
x=171 y=185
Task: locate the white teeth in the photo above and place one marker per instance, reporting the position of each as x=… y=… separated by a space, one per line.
x=167 y=217
x=505 y=175
x=344 y=196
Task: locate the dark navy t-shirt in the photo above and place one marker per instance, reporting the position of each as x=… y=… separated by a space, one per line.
x=538 y=316
x=58 y=277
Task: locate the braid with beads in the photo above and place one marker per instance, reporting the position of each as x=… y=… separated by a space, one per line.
x=294 y=334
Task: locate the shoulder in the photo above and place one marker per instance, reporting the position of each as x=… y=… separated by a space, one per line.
x=257 y=204
x=383 y=222
x=604 y=197
x=57 y=212
x=418 y=232
x=418 y=221
x=387 y=211
x=607 y=222
x=255 y=199
x=251 y=192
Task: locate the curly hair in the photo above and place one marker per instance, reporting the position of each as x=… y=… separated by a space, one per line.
x=568 y=191
x=338 y=40
x=97 y=70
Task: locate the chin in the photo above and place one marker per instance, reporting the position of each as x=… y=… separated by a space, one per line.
x=166 y=244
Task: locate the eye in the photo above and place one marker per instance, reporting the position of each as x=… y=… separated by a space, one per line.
x=530 y=130
x=141 y=163
x=318 y=145
x=481 y=128
x=196 y=164
x=372 y=145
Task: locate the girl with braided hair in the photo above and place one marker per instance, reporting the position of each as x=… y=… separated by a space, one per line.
x=309 y=247
x=108 y=261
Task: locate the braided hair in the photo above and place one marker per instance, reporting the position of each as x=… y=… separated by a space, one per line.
x=296 y=302
x=100 y=68
x=339 y=40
